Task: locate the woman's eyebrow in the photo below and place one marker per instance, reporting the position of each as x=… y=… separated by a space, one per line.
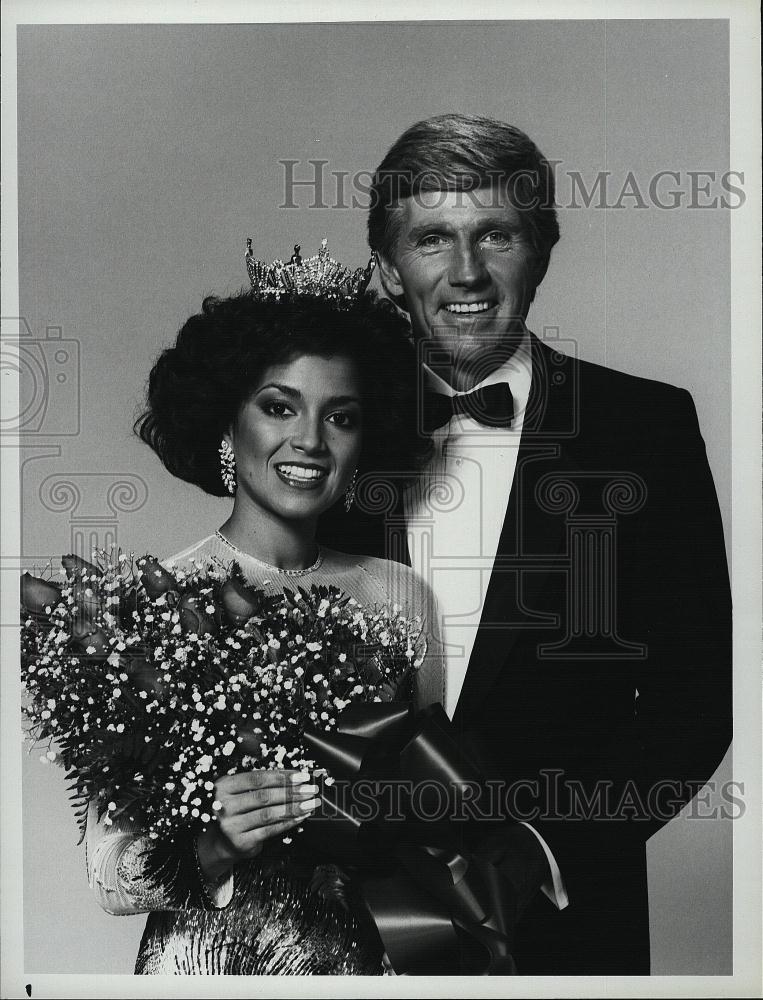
x=293 y=393
x=287 y=390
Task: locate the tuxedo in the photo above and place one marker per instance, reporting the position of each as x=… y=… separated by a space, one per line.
x=598 y=689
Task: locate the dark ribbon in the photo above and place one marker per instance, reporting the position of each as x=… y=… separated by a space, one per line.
x=439 y=905
x=492 y=406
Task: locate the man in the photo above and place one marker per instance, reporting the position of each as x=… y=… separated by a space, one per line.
x=568 y=526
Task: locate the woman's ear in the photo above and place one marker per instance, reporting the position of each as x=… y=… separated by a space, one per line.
x=389 y=276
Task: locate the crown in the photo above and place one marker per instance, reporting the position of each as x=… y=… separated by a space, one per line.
x=319 y=275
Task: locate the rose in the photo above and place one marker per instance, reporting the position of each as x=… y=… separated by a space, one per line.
x=88 y=641
x=38 y=597
x=128 y=603
x=155 y=578
x=89 y=605
x=146 y=675
x=75 y=566
x=194 y=617
x=239 y=602
x=82 y=573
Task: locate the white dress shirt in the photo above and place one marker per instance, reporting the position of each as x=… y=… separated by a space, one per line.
x=454 y=520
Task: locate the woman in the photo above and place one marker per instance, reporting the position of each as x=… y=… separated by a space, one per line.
x=282 y=401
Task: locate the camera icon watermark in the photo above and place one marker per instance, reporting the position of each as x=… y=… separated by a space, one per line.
x=48 y=373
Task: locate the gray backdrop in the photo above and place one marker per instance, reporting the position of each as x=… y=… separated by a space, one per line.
x=148 y=153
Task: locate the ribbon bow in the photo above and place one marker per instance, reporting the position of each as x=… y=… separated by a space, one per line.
x=441 y=907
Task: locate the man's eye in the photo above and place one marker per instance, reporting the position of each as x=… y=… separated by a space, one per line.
x=432 y=240
x=497 y=238
x=275 y=408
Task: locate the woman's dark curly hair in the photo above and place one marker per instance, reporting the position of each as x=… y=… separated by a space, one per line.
x=196 y=387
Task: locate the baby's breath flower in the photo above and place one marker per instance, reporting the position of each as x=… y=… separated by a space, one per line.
x=231 y=676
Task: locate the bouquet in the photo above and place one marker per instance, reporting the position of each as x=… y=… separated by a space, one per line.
x=146 y=684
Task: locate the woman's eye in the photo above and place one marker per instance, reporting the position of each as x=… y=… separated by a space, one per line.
x=342 y=419
x=275 y=408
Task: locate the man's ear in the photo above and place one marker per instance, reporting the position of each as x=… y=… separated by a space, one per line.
x=390 y=280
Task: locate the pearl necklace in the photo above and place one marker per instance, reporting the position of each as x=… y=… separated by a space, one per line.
x=268 y=566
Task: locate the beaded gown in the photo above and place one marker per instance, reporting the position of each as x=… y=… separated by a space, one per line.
x=276 y=914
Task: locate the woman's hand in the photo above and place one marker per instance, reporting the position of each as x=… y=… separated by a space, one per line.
x=256 y=805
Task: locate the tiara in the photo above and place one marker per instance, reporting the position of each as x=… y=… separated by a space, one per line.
x=319 y=275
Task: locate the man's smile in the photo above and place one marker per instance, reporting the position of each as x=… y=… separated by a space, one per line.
x=470 y=307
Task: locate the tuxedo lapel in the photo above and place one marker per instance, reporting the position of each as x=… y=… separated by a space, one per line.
x=531 y=537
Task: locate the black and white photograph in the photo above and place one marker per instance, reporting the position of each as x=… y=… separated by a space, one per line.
x=381 y=573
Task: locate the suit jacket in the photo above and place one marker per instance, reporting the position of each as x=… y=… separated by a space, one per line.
x=599 y=686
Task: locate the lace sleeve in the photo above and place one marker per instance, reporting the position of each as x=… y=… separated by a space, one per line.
x=404 y=587
x=130 y=873
x=430 y=678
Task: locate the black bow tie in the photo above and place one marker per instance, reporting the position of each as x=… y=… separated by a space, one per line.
x=492 y=406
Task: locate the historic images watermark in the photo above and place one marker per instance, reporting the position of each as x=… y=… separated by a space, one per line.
x=316 y=184
x=550 y=797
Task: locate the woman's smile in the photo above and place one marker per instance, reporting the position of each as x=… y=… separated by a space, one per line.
x=301 y=476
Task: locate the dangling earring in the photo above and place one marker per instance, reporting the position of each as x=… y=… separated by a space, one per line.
x=349 y=493
x=227 y=466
